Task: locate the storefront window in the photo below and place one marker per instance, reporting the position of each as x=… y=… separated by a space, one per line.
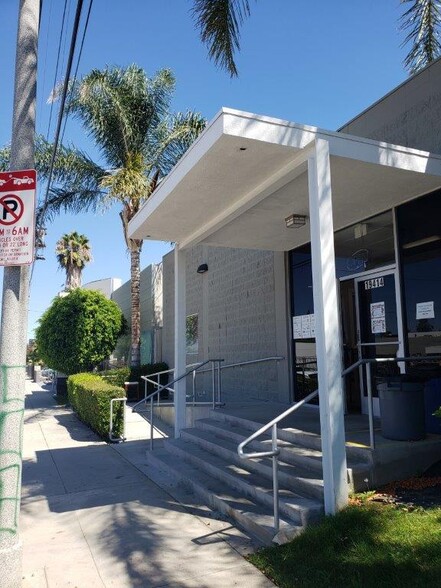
x=302 y=305
x=364 y=246
x=419 y=232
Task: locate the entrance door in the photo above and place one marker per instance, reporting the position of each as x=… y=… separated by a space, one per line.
x=379 y=327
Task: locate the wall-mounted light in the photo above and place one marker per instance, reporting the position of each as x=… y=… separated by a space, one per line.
x=295 y=221
x=202 y=268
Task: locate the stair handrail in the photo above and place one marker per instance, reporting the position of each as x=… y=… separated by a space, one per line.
x=194 y=368
x=249 y=362
x=368 y=362
x=274 y=450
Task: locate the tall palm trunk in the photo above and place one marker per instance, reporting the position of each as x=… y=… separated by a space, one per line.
x=135 y=278
x=73 y=277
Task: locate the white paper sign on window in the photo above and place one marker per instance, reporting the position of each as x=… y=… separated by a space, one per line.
x=297 y=327
x=378 y=325
x=378 y=310
x=306 y=326
x=303 y=326
x=378 y=318
x=425 y=310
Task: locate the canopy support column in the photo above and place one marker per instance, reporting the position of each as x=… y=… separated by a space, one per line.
x=327 y=329
x=180 y=340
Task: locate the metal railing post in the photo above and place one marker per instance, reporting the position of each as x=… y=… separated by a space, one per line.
x=151 y=423
x=370 y=405
x=219 y=382
x=213 y=383
x=275 y=479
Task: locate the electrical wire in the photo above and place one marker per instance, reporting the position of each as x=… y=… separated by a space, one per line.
x=80 y=52
x=56 y=67
x=63 y=101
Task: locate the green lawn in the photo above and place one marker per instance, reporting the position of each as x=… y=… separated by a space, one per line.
x=372 y=545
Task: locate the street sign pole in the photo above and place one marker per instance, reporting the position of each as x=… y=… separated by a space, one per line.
x=13 y=332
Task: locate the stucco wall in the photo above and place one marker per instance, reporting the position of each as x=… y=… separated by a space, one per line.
x=409 y=115
x=241 y=310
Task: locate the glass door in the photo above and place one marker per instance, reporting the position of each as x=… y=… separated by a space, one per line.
x=379 y=327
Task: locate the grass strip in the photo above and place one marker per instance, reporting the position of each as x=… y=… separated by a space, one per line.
x=365 y=546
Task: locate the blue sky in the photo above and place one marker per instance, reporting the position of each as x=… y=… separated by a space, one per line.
x=317 y=63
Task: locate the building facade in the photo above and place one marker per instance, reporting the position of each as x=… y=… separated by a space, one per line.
x=254 y=304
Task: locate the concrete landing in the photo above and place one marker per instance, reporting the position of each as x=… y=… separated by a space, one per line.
x=90 y=516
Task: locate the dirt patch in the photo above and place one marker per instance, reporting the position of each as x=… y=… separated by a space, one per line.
x=423 y=491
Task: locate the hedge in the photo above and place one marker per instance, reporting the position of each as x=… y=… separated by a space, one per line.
x=116 y=376
x=89 y=396
x=147 y=369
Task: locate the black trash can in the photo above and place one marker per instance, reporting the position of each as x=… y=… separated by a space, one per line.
x=402 y=408
x=132 y=391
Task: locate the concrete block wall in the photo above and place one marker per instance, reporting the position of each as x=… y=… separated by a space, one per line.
x=409 y=115
x=242 y=316
x=150 y=314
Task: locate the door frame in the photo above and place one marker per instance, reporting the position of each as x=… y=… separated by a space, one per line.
x=361 y=277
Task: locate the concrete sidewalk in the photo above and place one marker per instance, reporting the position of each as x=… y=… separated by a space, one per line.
x=91 y=517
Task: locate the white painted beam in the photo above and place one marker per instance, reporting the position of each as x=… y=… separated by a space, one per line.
x=180 y=340
x=327 y=329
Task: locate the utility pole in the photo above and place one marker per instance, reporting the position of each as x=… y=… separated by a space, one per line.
x=13 y=334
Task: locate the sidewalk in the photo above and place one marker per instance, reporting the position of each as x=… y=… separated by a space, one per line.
x=91 y=517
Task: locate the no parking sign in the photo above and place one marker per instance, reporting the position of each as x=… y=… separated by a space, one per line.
x=17 y=217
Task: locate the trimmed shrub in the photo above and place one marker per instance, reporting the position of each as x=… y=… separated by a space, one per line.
x=146 y=370
x=89 y=396
x=116 y=376
x=78 y=331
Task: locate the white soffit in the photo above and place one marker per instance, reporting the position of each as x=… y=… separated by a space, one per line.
x=246 y=173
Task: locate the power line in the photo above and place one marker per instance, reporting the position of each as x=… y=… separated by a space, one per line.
x=63 y=100
x=86 y=25
x=56 y=67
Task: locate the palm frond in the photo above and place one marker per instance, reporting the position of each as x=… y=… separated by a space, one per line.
x=173 y=139
x=76 y=180
x=219 y=22
x=422 y=21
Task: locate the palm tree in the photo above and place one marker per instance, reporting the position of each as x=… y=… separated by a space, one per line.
x=422 y=21
x=127 y=114
x=218 y=22
x=73 y=252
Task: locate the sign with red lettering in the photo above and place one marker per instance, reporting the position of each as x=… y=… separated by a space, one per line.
x=17 y=217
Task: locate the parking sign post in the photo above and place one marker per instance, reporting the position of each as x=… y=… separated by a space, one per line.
x=17 y=217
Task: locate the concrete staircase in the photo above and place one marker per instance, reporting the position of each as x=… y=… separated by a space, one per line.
x=205 y=459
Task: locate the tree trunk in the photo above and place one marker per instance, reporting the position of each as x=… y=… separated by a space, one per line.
x=73 y=277
x=135 y=273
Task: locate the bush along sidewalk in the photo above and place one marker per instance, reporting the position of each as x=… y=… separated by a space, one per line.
x=119 y=377
x=90 y=396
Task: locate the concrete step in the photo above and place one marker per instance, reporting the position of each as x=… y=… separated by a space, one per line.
x=295 y=454
x=253 y=517
x=356 y=455
x=301 y=480
x=299 y=508
x=296 y=436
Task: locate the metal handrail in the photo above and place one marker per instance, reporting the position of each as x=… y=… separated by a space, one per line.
x=367 y=362
x=149 y=378
x=252 y=361
x=274 y=450
x=273 y=424
x=157 y=392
